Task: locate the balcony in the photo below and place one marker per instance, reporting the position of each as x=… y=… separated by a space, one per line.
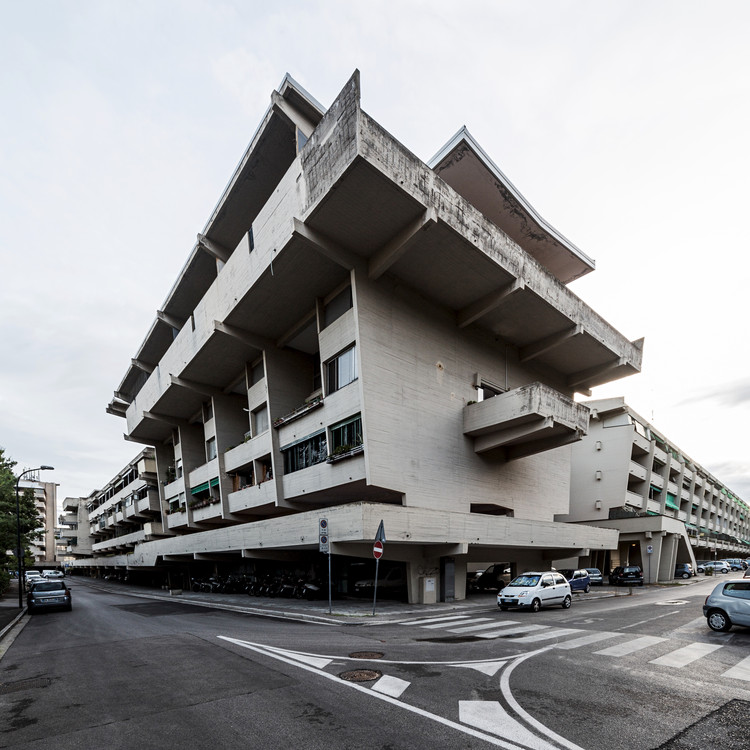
x=206 y=510
x=253 y=498
x=527 y=420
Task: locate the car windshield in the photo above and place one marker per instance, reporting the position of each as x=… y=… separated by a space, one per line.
x=596 y=571
x=49 y=586
x=524 y=581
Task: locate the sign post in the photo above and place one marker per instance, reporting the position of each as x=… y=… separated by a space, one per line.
x=649 y=551
x=377 y=553
x=324 y=545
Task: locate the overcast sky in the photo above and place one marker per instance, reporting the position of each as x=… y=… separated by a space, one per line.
x=625 y=124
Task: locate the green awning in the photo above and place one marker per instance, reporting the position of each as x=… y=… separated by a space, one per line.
x=203 y=487
x=671 y=501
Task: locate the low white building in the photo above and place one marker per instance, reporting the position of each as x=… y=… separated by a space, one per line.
x=359 y=336
x=626 y=475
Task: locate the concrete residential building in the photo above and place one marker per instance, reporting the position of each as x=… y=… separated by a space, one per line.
x=127 y=511
x=626 y=475
x=74 y=537
x=359 y=336
x=45 y=501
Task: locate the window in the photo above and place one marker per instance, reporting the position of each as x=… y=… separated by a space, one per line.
x=257 y=372
x=306 y=452
x=346 y=435
x=211 y=449
x=260 y=420
x=486 y=390
x=342 y=370
x=178 y=467
x=208 y=411
x=338 y=306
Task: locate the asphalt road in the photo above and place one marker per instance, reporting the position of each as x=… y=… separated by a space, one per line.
x=632 y=673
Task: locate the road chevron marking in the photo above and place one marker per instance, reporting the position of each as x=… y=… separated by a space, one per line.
x=293 y=659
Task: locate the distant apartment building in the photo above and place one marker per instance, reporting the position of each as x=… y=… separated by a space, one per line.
x=73 y=535
x=358 y=337
x=627 y=475
x=45 y=501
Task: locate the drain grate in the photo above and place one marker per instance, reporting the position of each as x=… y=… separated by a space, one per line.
x=366 y=655
x=14 y=687
x=361 y=675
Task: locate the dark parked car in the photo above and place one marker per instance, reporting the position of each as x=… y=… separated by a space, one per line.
x=627 y=575
x=579 y=580
x=684 y=570
x=49 y=595
x=597 y=579
x=495 y=577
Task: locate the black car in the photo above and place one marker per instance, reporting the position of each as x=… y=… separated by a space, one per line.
x=49 y=595
x=495 y=577
x=626 y=575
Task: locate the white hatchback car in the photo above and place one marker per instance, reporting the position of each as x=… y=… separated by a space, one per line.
x=535 y=590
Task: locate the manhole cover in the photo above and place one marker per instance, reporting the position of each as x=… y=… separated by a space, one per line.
x=671 y=602
x=361 y=675
x=366 y=655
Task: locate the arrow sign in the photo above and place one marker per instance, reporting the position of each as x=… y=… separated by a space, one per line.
x=377 y=550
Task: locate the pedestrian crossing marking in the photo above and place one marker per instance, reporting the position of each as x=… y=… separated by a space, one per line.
x=586 y=640
x=427 y=620
x=548 y=635
x=623 y=649
x=740 y=671
x=513 y=631
x=485 y=626
x=685 y=655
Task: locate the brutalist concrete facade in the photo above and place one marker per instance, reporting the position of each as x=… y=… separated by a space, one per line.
x=353 y=338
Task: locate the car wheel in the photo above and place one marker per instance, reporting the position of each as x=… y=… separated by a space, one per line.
x=724 y=570
x=566 y=602
x=536 y=605
x=587 y=589
x=718 y=620
x=686 y=575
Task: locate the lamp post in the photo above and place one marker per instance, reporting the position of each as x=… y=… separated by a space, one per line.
x=18 y=531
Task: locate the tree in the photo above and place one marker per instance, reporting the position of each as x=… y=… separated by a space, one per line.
x=31 y=521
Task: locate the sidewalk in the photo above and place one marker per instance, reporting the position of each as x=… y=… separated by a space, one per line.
x=9 y=610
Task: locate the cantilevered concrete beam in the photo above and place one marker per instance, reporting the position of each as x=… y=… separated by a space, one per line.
x=192 y=385
x=141 y=365
x=486 y=304
x=483 y=443
x=326 y=246
x=299 y=326
x=528 y=449
x=214 y=249
x=174 y=421
x=170 y=320
x=120 y=396
x=281 y=106
x=246 y=337
x=588 y=377
x=140 y=441
x=550 y=342
x=393 y=250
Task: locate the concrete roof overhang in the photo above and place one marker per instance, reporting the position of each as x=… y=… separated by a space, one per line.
x=465 y=166
x=272 y=149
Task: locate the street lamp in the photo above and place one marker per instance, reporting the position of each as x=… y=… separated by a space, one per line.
x=18 y=531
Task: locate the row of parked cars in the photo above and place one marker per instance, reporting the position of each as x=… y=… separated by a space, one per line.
x=47 y=590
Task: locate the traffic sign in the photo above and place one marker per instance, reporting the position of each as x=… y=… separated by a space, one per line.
x=377 y=550
x=323 y=540
x=650 y=549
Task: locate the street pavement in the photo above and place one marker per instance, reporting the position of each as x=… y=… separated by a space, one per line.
x=341 y=610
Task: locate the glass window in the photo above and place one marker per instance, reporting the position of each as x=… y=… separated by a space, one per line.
x=307 y=452
x=211 y=449
x=257 y=373
x=346 y=435
x=342 y=370
x=338 y=306
x=260 y=420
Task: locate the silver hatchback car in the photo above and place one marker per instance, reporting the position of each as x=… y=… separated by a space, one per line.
x=728 y=604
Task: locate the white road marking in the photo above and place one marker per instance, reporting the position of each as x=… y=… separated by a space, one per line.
x=586 y=640
x=490 y=716
x=490 y=668
x=427 y=620
x=392 y=686
x=545 y=636
x=650 y=619
x=285 y=657
x=685 y=655
x=486 y=626
x=448 y=624
x=740 y=671
x=623 y=649
x=511 y=631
